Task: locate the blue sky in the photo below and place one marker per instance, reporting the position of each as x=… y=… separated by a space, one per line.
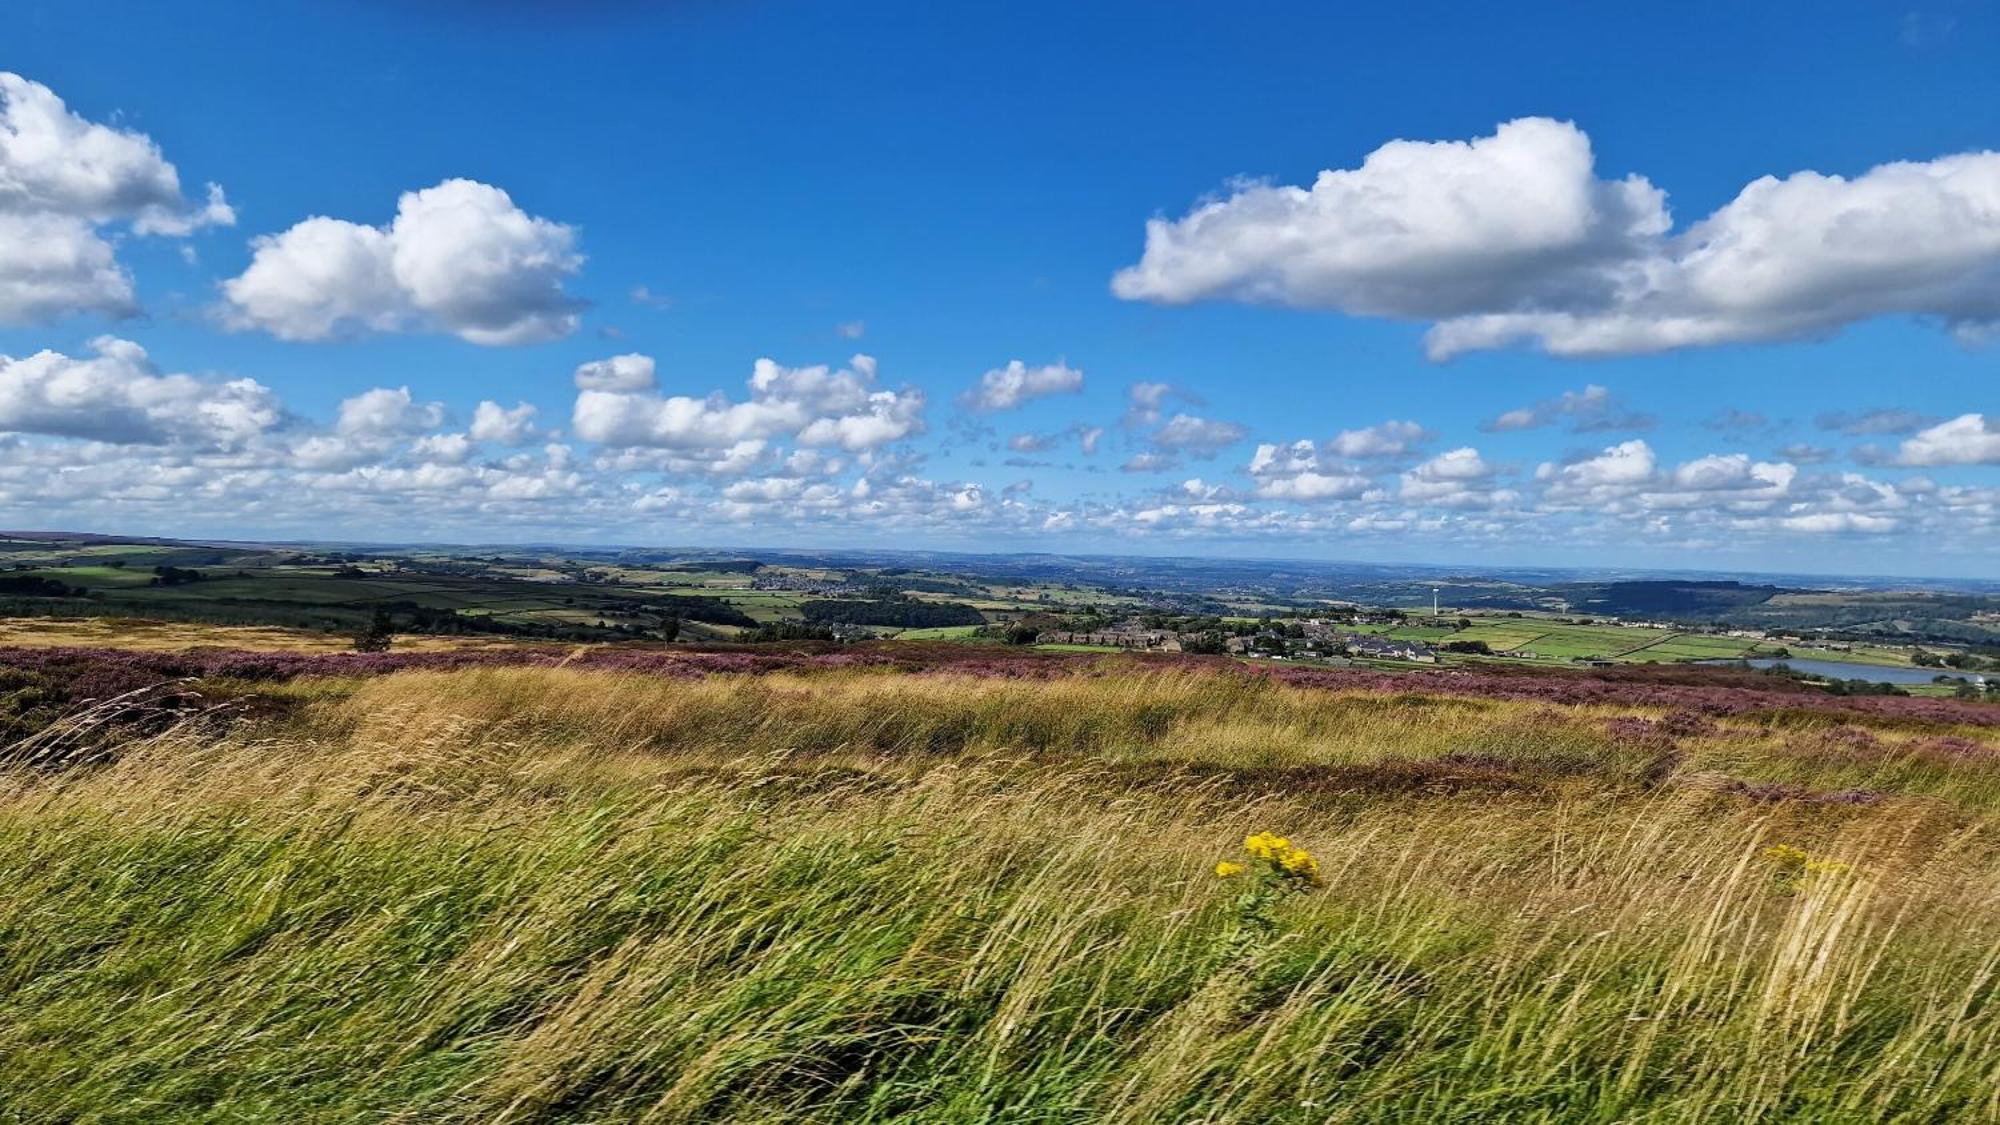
x=1801 y=384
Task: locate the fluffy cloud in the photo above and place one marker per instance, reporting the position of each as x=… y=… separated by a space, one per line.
x=1005 y=388
x=459 y=258
x=1969 y=439
x=1618 y=468
x=62 y=178
x=1421 y=230
x=52 y=265
x=1458 y=478
x=815 y=406
x=1729 y=491
x=1826 y=523
x=1513 y=238
x=448 y=449
x=1313 y=487
x=1294 y=472
x=622 y=373
x=1389 y=439
x=1731 y=480
x=495 y=423
x=118 y=396
x=384 y=412
x=1197 y=437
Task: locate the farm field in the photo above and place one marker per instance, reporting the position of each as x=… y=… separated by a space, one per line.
x=1562 y=641
x=949 y=882
x=939 y=633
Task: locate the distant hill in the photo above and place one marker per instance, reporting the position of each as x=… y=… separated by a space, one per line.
x=1671 y=599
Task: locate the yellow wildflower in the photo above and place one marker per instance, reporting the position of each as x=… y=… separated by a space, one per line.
x=1786 y=856
x=1300 y=862
x=1264 y=845
x=1227 y=869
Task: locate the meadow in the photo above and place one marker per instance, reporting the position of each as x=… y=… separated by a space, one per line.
x=946 y=883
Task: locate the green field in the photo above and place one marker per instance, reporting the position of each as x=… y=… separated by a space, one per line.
x=1554 y=640
x=941 y=633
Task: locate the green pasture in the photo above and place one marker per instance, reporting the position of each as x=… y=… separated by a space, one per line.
x=940 y=633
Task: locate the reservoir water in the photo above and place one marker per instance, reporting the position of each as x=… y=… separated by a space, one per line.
x=1850 y=670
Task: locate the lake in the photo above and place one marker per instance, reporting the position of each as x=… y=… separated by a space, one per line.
x=1849 y=670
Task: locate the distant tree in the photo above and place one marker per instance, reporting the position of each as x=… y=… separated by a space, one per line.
x=1480 y=647
x=1205 y=644
x=34 y=585
x=670 y=629
x=788 y=631
x=1023 y=634
x=379 y=634
x=1923 y=659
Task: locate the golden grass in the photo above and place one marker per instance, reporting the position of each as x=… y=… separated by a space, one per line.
x=528 y=894
x=138 y=635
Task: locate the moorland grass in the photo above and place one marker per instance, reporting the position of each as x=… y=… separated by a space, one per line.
x=527 y=894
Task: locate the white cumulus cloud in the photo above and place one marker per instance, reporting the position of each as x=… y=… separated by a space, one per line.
x=119 y=396
x=1196 y=436
x=1969 y=439
x=63 y=179
x=1514 y=238
x=460 y=257
x=1004 y=388
x=386 y=412
x=815 y=406
x=496 y=423
x=1389 y=439
x=619 y=373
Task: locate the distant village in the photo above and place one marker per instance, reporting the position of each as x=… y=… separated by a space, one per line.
x=1314 y=638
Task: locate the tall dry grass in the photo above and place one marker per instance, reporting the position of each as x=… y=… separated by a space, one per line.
x=535 y=894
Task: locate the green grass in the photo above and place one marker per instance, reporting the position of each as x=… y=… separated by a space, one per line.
x=96 y=577
x=940 y=633
x=552 y=895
